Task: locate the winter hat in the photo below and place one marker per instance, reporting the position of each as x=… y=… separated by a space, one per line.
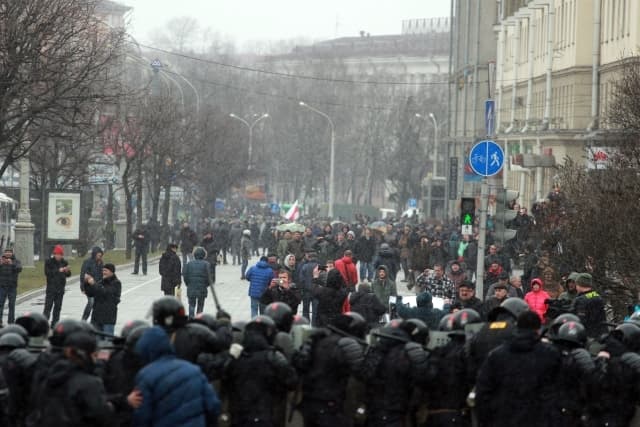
x=537 y=281
x=247 y=232
x=584 y=279
x=466 y=284
x=572 y=277
x=58 y=250
x=351 y=233
x=503 y=276
x=110 y=267
x=499 y=285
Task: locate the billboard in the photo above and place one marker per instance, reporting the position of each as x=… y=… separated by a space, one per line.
x=63 y=215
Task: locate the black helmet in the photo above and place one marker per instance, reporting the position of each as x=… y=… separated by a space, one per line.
x=35 y=323
x=281 y=314
x=15 y=329
x=394 y=330
x=417 y=330
x=133 y=336
x=81 y=341
x=299 y=319
x=629 y=334
x=263 y=324
x=513 y=306
x=238 y=326
x=571 y=332
x=465 y=317
x=561 y=320
x=130 y=326
x=66 y=327
x=168 y=312
x=446 y=323
x=350 y=323
x=206 y=320
x=11 y=340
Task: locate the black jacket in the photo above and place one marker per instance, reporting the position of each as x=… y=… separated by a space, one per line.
x=9 y=273
x=330 y=297
x=171 y=271
x=91 y=267
x=368 y=305
x=107 y=297
x=141 y=243
x=76 y=398
x=589 y=307
x=291 y=296
x=119 y=379
x=365 y=249
x=521 y=370
x=56 y=280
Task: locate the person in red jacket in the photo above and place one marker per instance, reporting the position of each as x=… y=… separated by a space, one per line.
x=347 y=269
x=536 y=298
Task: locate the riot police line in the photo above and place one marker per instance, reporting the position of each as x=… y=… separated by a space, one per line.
x=277 y=370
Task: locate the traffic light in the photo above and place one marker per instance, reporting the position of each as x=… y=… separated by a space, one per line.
x=505 y=215
x=467 y=211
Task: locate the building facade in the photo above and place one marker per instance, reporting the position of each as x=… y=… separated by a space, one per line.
x=557 y=63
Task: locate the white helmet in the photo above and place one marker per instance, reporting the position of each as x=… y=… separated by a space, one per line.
x=246 y=232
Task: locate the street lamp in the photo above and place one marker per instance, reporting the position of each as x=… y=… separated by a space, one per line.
x=332 y=156
x=250 y=126
x=435 y=157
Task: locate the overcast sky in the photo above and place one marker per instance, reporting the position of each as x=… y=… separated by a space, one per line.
x=250 y=20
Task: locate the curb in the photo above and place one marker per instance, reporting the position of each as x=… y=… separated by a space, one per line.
x=35 y=293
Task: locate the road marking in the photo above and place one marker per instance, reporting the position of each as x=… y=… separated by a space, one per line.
x=128 y=291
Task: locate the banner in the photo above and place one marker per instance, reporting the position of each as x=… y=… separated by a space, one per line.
x=63 y=216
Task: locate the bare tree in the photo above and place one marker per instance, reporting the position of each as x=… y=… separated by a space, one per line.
x=56 y=66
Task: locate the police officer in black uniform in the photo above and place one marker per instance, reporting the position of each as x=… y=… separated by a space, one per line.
x=391 y=369
x=257 y=377
x=325 y=362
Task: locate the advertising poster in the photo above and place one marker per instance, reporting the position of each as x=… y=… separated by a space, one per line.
x=63 y=216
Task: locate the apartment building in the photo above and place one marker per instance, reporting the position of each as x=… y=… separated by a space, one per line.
x=556 y=67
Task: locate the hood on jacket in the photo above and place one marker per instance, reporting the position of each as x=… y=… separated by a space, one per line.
x=334 y=279
x=95 y=251
x=287 y=258
x=539 y=282
x=386 y=270
x=347 y=260
x=199 y=253
x=424 y=300
x=153 y=344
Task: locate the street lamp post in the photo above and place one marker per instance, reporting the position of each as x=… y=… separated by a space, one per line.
x=436 y=157
x=332 y=158
x=250 y=126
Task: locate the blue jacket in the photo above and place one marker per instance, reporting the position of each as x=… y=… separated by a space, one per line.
x=259 y=277
x=197 y=275
x=175 y=392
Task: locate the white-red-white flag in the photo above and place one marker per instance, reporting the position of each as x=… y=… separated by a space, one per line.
x=293 y=213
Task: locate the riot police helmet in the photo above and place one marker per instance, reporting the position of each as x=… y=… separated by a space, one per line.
x=629 y=335
x=206 y=320
x=394 y=331
x=35 y=323
x=571 y=332
x=350 y=323
x=559 y=321
x=15 y=329
x=130 y=326
x=281 y=314
x=417 y=330
x=446 y=323
x=66 y=327
x=263 y=324
x=513 y=306
x=169 y=313
x=11 y=340
x=465 y=317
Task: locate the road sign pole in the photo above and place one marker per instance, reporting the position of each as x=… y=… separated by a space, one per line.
x=482 y=238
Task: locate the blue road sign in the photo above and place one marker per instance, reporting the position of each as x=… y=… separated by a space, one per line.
x=486 y=158
x=275 y=208
x=490 y=116
x=413 y=203
x=219 y=205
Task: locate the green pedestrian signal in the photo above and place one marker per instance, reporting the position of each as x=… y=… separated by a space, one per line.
x=467 y=211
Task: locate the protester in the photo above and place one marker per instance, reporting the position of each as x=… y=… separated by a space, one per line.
x=91 y=267
x=259 y=277
x=10 y=267
x=170 y=270
x=106 y=294
x=197 y=278
x=383 y=286
x=56 y=271
x=537 y=299
x=141 y=241
x=281 y=289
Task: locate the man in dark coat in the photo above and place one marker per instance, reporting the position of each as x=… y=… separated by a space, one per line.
x=56 y=270
x=589 y=306
x=389 y=257
x=170 y=270
x=330 y=296
x=75 y=397
x=196 y=277
x=365 y=303
x=424 y=310
x=210 y=244
x=10 y=267
x=365 y=249
x=284 y=290
x=106 y=294
x=188 y=239
x=91 y=268
x=521 y=368
x=175 y=392
x=466 y=298
x=141 y=244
